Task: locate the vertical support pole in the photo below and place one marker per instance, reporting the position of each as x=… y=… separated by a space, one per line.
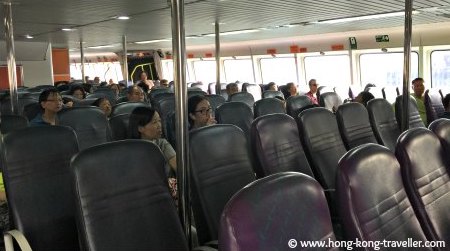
x=217 y=39
x=406 y=64
x=179 y=69
x=253 y=64
x=296 y=69
x=125 y=59
x=10 y=57
x=352 y=71
x=83 y=76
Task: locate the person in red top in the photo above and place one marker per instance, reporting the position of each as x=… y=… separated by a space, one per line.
x=312 y=94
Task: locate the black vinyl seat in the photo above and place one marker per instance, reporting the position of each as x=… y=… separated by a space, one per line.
x=221 y=165
x=89 y=123
x=330 y=101
x=119 y=126
x=10 y=123
x=276 y=146
x=294 y=203
x=268 y=106
x=244 y=97
x=156 y=91
x=5 y=104
x=109 y=94
x=272 y=94
x=414 y=117
x=441 y=127
x=37 y=178
x=235 y=113
x=126 y=107
x=215 y=101
x=83 y=102
x=384 y=124
x=30 y=111
x=354 y=125
x=294 y=104
x=323 y=147
x=373 y=203
x=165 y=107
x=130 y=208
x=424 y=166
x=433 y=105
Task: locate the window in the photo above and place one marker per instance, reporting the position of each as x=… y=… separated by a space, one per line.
x=167 y=68
x=440 y=69
x=205 y=71
x=239 y=69
x=386 y=69
x=278 y=70
x=106 y=71
x=332 y=70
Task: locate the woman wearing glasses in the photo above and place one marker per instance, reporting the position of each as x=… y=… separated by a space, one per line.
x=199 y=112
x=51 y=103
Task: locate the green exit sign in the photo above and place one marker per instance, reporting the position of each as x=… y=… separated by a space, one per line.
x=382 y=38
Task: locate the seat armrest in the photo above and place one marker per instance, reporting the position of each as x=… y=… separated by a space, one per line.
x=20 y=239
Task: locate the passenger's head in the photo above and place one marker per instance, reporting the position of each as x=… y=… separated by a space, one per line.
x=199 y=112
x=135 y=94
x=115 y=88
x=164 y=83
x=104 y=105
x=232 y=88
x=143 y=76
x=145 y=123
x=78 y=92
x=418 y=87
x=96 y=80
x=272 y=86
x=50 y=100
x=68 y=102
x=364 y=97
x=313 y=85
x=291 y=88
x=446 y=102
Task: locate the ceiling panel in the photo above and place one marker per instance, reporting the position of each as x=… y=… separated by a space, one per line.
x=151 y=19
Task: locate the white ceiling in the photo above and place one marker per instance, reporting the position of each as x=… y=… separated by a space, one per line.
x=151 y=19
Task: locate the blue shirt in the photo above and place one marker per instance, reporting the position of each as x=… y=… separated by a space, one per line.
x=38 y=121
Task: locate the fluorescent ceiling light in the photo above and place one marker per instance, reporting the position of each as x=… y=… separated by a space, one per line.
x=359 y=18
x=100 y=47
x=153 y=41
x=67 y=29
x=29 y=36
x=123 y=17
x=227 y=33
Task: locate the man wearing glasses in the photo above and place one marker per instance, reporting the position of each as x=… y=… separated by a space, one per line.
x=51 y=103
x=312 y=94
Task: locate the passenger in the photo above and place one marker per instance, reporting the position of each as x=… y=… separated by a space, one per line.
x=367 y=87
x=77 y=92
x=135 y=94
x=272 y=86
x=446 y=102
x=282 y=100
x=96 y=81
x=115 y=88
x=232 y=88
x=104 y=105
x=164 y=83
x=145 y=123
x=364 y=97
x=199 y=112
x=292 y=89
x=111 y=81
x=51 y=103
x=143 y=79
x=419 y=88
x=312 y=94
x=68 y=102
